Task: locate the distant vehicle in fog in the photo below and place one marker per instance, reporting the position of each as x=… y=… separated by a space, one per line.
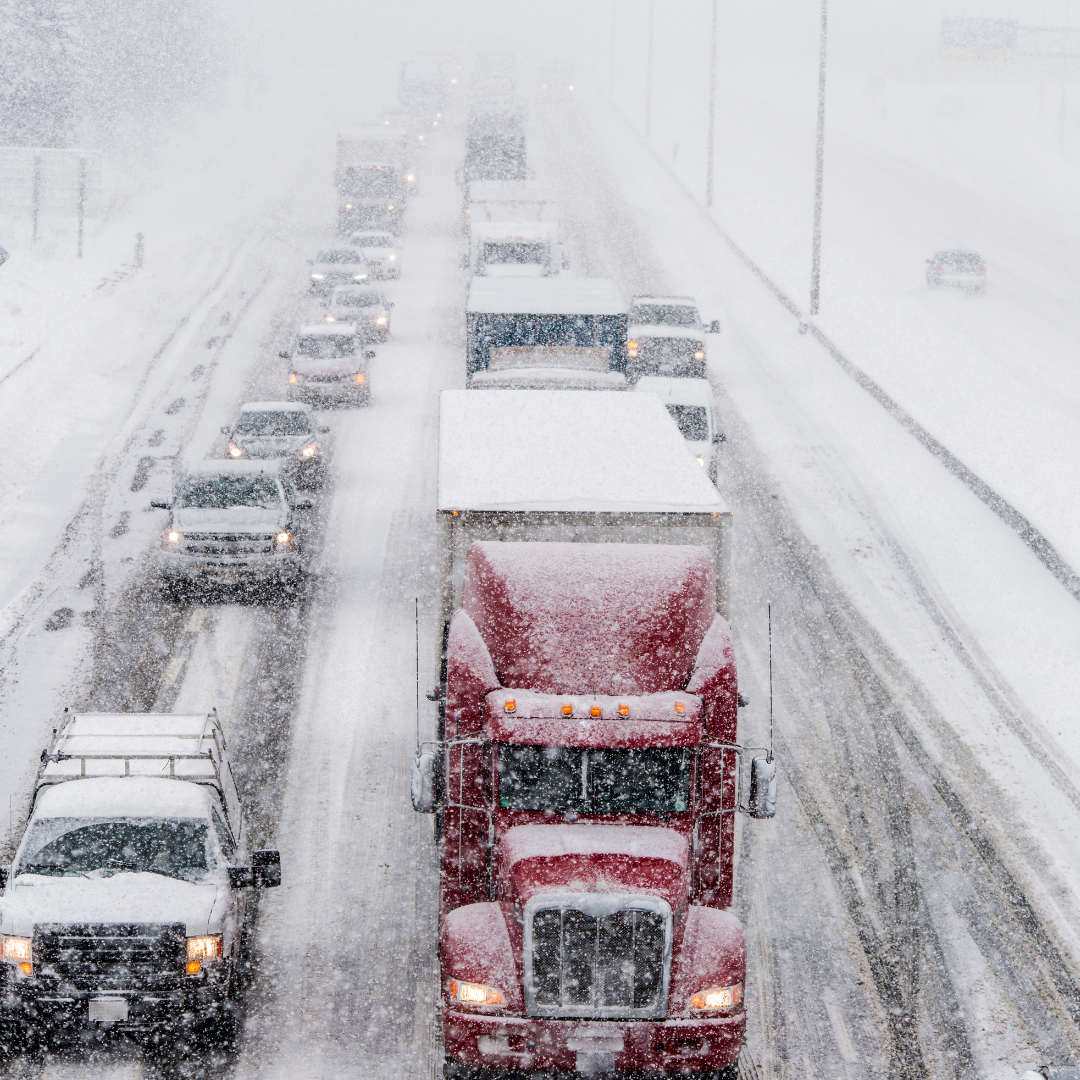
x=515 y=249
x=424 y=83
x=329 y=365
x=375 y=174
x=367 y=308
x=495 y=146
x=233 y=523
x=380 y=252
x=665 y=336
x=689 y=403
x=961 y=269
x=337 y=266
x=283 y=431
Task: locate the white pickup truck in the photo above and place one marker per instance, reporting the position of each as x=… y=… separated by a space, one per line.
x=129 y=901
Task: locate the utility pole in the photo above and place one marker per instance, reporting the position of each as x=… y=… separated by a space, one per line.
x=711 y=151
x=82 y=200
x=815 y=269
x=36 y=206
x=648 y=74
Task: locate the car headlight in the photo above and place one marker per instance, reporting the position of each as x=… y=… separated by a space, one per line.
x=235 y=451
x=359 y=277
x=410 y=178
x=171 y=538
x=381 y=320
x=310 y=451
x=284 y=539
x=348 y=206
x=202 y=950
x=329 y=318
x=20 y=952
x=632 y=348
x=717 y=998
x=389 y=208
x=318 y=277
x=700 y=460
x=360 y=377
x=292 y=376
x=391 y=257
x=699 y=352
x=468 y=993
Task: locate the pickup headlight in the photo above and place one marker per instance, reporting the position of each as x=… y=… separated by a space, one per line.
x=171 y=538
x=699 y=351
x=717 y=998
x=284 y=539
x=359 y=277
x=20 y=952
x=467 y=993
x=292 y=377
x=632 y=348
x=381 y=320
x=700 y=459
x=235 y=451
x=202 y=950
x=391 y=257
x=360 y=377
x=310 y=451
x=318 y=277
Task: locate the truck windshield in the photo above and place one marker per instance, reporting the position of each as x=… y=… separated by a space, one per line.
x=518 y=252
x=562 y=779
x=664 y=314
x=272 y=423
x=327 y=346
x=692 y=420
x=371 y=183
x=102 y=847
x=357 y=299
x=378 y=240
x=221 y=492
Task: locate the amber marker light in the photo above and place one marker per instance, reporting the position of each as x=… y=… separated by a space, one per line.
x=680 y=707
x=596 y=711
x=292 y=376
x=193 y=967
x=510 y=705
x=717 y=998
x=624 y=710
x=359 y=376
x=567 y=709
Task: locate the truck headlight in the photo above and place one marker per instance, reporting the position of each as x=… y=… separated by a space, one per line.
x=359 y=277
x=310 y=451
x=381 y=320
x=360 y=377
x=170 y=539
x=235 y=451
x=699 y=354
x=467 y=993
x=292 y=377
x=318 y=277
x=20 y=952
x=391 y=257
x=632 y=348
x=284 y=539
x=700 y=460
x=717 y=998
x=202 y=950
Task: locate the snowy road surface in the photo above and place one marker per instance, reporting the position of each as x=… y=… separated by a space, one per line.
x=909 y=912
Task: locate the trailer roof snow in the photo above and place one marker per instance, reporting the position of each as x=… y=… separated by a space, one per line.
x=566 y=450
x=545 y=296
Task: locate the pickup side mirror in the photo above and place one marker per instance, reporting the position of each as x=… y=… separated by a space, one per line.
x=424 y=768
x=719 y=437
x=369 y=354
x=714 y=326
x=324 y=431
x=464 y=262
x=284 y=354
x=304 y=504
x=267 y=869
x=389 y=304
x=762 y=801
x=160 y=504
x=225 y=431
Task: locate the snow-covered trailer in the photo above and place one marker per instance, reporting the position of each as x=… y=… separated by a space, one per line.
x=543 y=313
x=573 y=465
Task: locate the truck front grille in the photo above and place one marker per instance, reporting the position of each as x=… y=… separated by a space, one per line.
x=612 y=965
x=111 y=956
x=673 y=356
x=228 y=544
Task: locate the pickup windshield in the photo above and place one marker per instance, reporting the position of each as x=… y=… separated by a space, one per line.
x=102 y=847
x=327 y=346
x=562 y=779
x=692 y=420
x=221 y=492
x=339 y=256
x=357 y=299
x=664 y=315
x=272 y=423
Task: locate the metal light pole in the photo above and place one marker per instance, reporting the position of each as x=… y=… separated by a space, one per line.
x=712 y=114
x=815 y=270
x=648 y=75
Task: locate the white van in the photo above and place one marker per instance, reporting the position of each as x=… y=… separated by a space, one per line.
x=690 y=404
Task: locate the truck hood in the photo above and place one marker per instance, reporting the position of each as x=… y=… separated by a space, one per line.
x=236 y=519
x=648 y=330
x=537 y=859
x=123 y=898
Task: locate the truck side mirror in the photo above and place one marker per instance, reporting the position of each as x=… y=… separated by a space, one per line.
x=762 y=802
x=714 y=326
x=284 y=354
x=304 y=504
x=225 y=431
x=241 y=877
x=160 y=504
x=4 y=874
x=719 y=437
x=464 y=262
x=266 y=869
x=389 y=304
x=369 y=354
x=324 y=431
x=424 y=767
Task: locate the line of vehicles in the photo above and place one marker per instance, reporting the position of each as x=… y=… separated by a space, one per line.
x=586 y=768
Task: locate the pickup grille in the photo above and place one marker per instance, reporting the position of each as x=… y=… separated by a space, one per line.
x=346 y=377
x=612 y=966
x=238 y=544
x=667 y=355
x=111 y=956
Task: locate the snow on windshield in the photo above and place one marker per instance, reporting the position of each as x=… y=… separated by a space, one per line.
x=339 y=255
x=102 y=847
x=326 y=346
x=357 y=299
x=379 y=240
x=221 y=492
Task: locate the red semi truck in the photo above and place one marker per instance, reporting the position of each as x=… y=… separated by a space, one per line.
x=586 y=784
